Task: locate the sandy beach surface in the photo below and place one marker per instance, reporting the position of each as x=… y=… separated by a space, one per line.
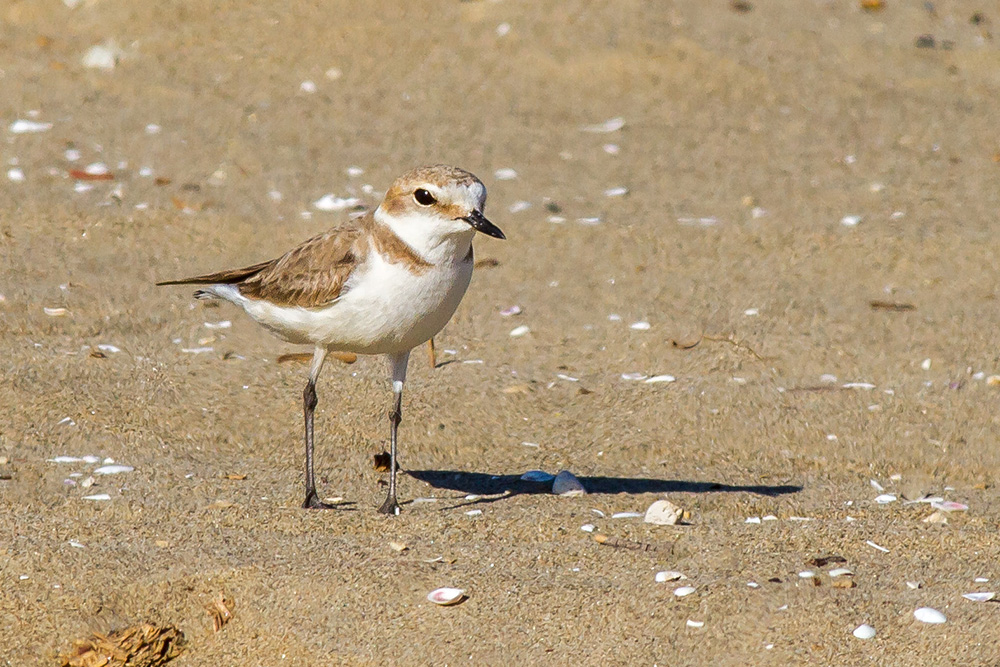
x=789 y=207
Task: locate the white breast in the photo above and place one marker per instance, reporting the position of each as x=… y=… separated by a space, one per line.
x=386 y=308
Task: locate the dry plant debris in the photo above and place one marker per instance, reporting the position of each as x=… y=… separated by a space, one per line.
x=221 y=609
x=143 y=645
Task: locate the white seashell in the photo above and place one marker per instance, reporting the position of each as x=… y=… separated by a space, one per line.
x=695 y=624
x=567 y=378
x=332 y=203
x=807 y=574
x=473 y=513
x=308 y=87
x=28 y=127
x=979 y=597
x=769 y=517
x=113 y=469
x=626 y=515
x=840 y=572
x=980 y=580
x=668 y=575
x=446 y=596
x=224 y=324
x=87 y=483
x=684 y=591
x=928 y=615
x=77 y=545
x=510 y=312
x=597 y=512
x=90 y=458
x=642 y=325
x=99 y=496
x=875 y=485
x=875 y=546
x=864 y=631
x=616 y=192
x=913 y=585
x=65 y=459
x=197 y=350
x=610 y=125
x=102 y=56
x=505 y=174
x=632 y=377
x=588 y=527
x=885 y=499
x=473 y=496
x=589 y=221
x=752 y=519
x=517 y=332
x=566 y=484
x=850 y=220
x=15 y=175
x=949 y=506
x=55 y=312
x=753 y=584
x=860 y=385
x=519 y=206
x=111 y=349
x=537 y=476
x=663 y=513
x=660 y=378
x=611 y=149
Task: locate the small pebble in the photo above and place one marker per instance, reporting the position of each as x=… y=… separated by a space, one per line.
x=663 y=513
x=566 y=484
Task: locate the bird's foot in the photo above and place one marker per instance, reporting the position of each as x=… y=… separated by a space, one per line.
x=313 y=502
x=390 y=506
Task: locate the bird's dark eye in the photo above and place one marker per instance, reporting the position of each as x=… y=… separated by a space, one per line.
x=423 y=197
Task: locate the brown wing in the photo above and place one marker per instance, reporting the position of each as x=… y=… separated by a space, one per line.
x=311 y=274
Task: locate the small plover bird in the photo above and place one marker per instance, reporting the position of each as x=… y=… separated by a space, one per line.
x=383 y=284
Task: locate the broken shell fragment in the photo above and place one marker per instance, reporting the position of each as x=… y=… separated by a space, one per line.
x=566 y=484
x=840 y=572
x=113 y=469
x=979 y=597
x=668 y=575
x=663 y=513
x=446 y=596
x=684 y=591
x=537 y=476
x=928 y=615
x=864 y=631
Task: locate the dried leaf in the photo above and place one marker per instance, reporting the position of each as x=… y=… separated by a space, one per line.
x=143 y=645
x=221 y=609
x=81 y=175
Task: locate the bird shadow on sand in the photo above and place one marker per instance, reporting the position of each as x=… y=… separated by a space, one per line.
x=506 y=486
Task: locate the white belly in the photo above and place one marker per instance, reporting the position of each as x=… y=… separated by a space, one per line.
x=385 y=309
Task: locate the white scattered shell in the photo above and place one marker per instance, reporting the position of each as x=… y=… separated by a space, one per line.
x=828 y=378
x=87 y=483
x=20 y=126
x=614 y=317
x=612 y=149
x=684 y=591
x=753 y=584
x=15 y=175
x=55 y=312
x=937 y=516
x=567 y=378
x=610 y=125
x=752 y=519
x=566 y=484
x=840 y=572
x=110 y=349
x=81 y=187
x=519 y=206
x=308 y=87
x=751 y=312
x=875 y=546
x=913 y=585
x=556 y=219
x=503 y=29
x=640 y=326
x=97 y=169
x=89 y=458
x=616 y=192
x=695 y=624
x=537 y=476
x=858 y=385
x=517 y=332
x=77 y=545
x=102 y=56
x=197 y=350
x=473 y=512
x=949 y=506
x=331 y=202
x=885 y=499
x=807 y=574
x=660 y=378
x=224 y=324
x=925 y=364
x=864 y=631
x=633 y=376
x=668 y=575
x=446 y=596
x=875 y=485
x=588 y=527
x=505 y=174
x=99 y=496
x=979 y=597
x=65 y=459
x=597 y=512
x=153 y=128
x=663 y=513
x=473 y=496
x=980 y=580
x=589 y=221
x=113 y=469
x=769 y=517
x=626 y=515
x=929 y=615
x=850 y=220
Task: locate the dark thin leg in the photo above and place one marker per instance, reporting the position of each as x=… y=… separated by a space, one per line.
x=309 y=402
x=390 y=506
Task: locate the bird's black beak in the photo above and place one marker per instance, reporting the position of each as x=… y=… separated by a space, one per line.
x=481 y=224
